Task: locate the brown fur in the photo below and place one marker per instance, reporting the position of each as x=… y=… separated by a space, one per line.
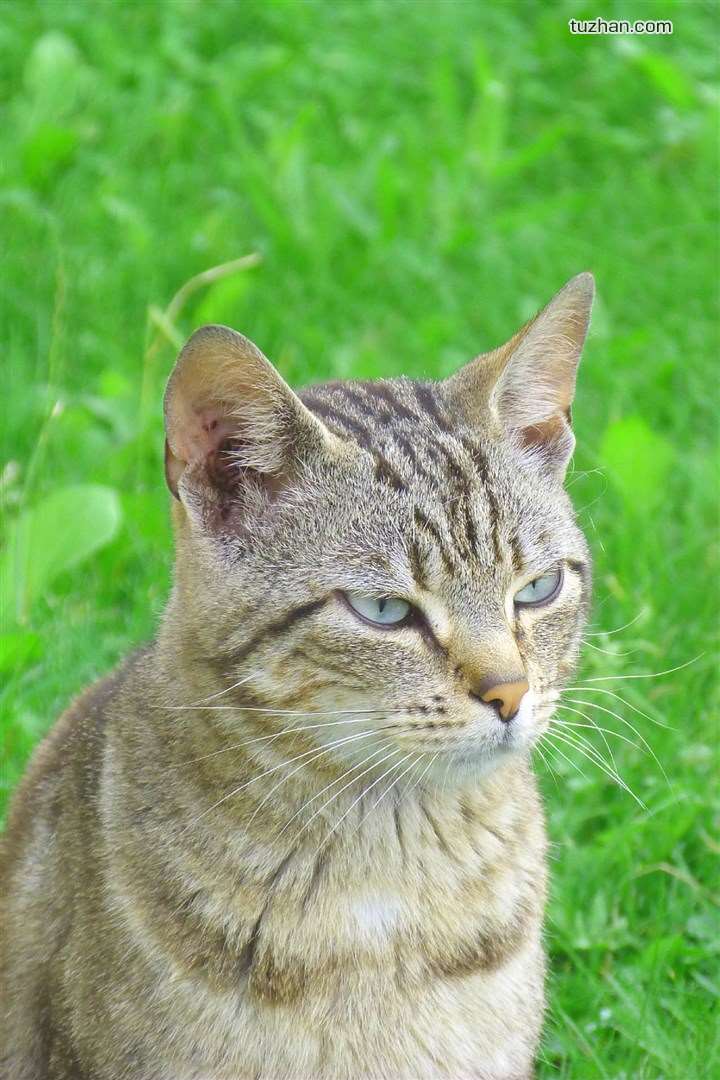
x=200 y=880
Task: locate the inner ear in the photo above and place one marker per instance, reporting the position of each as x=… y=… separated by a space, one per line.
x=235 y=431
x=523 y=391
x=551 y=440
x=207 y=436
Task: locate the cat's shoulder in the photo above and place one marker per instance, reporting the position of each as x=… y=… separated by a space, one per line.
x=73 y=743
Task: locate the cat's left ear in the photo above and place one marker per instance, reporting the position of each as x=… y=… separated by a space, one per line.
x=527 y=385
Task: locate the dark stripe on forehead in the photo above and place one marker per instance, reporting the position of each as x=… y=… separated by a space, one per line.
x=409 y=450
x=338 y=420
x=424 y=522
x=356 y=395
x=387 y=393
x=470 y=530
x=277 y=628
x=429 y=403
x=416 y=564
x=478 y=459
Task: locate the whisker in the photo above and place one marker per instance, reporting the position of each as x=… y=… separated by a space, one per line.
x=545 y=761
x=651 y=675
x=281 y=765
x=297 y=769
x=275 y=712
x=590 y=752
x=611 y=693
x=595 y=727
x=412 y=765
x=609 y=652
x=582 y=747
x=611 y=712
x=618 y=629
x=221 y=693
x=423 y=773
x=271 y=738
x=327 y=803
x=332 y=783
x=362 y=795
x=551 y=746
x=592 y=724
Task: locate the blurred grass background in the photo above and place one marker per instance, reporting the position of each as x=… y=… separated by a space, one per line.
x=415 y=180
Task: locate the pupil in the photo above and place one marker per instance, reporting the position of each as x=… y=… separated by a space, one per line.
x=381 y=604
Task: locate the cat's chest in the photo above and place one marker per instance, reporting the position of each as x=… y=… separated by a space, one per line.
x=354 y=959
x=441 y=1029
x=404 y=922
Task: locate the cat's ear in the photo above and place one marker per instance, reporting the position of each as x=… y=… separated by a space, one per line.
x=527 y=385
x=234 y=428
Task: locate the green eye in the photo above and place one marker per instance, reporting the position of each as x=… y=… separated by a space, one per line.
x=382 y=611
x=540 y=591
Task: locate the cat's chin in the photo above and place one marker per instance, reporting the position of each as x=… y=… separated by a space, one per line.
x=460 y=768
x=474 y=758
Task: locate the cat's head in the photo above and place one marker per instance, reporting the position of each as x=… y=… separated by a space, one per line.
x=392 y=566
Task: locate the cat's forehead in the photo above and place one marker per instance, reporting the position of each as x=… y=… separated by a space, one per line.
x=461 y=497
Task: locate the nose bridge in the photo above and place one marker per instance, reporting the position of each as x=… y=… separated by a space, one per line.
x=485 y=648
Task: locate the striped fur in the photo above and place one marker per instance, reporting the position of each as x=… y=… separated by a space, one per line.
x=278 y=843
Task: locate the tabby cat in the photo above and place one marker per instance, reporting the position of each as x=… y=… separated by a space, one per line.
x=297 y=837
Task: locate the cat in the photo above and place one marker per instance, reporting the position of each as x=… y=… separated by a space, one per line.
x=298 y=837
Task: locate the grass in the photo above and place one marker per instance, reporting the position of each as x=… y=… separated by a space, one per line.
x=415 y=179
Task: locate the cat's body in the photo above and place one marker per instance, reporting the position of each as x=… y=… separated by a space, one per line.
x=288 y=841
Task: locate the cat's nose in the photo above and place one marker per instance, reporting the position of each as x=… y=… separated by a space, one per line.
x=504 y=695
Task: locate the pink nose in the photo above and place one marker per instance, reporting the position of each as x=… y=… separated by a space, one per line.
x=505 y=696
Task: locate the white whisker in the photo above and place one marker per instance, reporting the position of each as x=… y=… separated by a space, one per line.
x=271 y=738
x=618 y=629
x=275 y=712
x=592 y=726
x=391 y=786
x=281 y=765
x=651 y=675
x=551 y=745
x=332 y=783
x=611 y=712
x=297 y=769
x=327 y=803
x=609 y=652
x=545 y=761
x=618 y=697
x=591 y=754
x=362 y=795
x=221 y=693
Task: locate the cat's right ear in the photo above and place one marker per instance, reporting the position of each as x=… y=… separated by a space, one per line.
x=234 y=428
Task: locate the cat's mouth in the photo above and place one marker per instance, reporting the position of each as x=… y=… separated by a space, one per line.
x=480 y=732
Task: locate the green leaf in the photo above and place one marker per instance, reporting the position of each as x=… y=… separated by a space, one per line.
x=637 y=460
x=60 y=532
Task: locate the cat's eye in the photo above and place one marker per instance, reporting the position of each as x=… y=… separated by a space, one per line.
x=540 y=591
x=382 y=610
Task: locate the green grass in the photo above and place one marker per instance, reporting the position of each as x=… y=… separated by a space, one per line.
x=417 y=178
